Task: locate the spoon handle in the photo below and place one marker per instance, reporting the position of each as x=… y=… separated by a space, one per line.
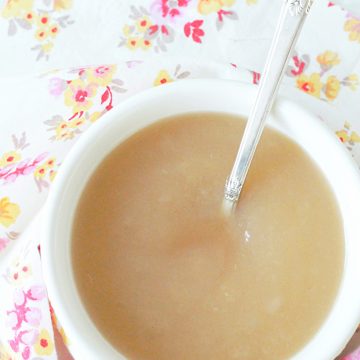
x=291 y=20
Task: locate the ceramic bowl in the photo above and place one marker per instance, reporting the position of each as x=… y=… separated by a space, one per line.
x=315 y=138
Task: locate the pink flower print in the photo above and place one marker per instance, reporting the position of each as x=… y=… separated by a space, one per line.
x=19 y=298
x=26 y=353
x=36 y=292
x=11 y=172
x=193 y=29
x=28 y=337
x=133 y=63
x=33 y=316
x=164 y=11
x=57 y=86
x=3 y=243
x=17 y=272
x=78 y=95
x=24 y=320
x=24 y=337
x=11 y=320
x=101 y=75
x=298 y=66
x=256 y=77
x=353 y=356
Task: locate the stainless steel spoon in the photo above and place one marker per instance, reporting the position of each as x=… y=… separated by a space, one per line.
x=291 y=20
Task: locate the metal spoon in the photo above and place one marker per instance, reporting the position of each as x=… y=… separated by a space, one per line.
x=291 y=20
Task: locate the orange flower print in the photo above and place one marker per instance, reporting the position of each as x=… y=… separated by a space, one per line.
x=311 y=85
x=352 y=26
x=101 y=75
x=44 y=345
x=78 y=95
x=332 y=88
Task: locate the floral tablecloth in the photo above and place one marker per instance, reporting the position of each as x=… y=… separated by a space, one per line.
x=65 y=63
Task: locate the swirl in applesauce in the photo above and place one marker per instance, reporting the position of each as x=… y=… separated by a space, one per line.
x=164 y=275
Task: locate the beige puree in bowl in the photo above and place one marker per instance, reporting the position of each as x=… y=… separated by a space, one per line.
x=164 y=275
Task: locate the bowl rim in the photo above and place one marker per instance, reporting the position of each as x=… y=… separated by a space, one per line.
x=61 y=186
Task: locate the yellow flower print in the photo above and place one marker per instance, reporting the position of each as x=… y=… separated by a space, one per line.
x=44 y=345
x=352 y=81
x=41 y=34
x=43 y=20
x=40 y=172
x=133 y=43
x=16 y=8
x=145 y=44
x=206 y=7
x=328 y=59
x=62 y=4
x=162 y=78
x=352 y=26
x=347 y=136
x=61 y=130
x=49 y=163
x=332 y=87
x=355 y=137
x=95 y=116
x=143 y=24
x=343 y=136
x=52 y=175
x=78 y=95
x=63 y=336
x=30 y=17
x=127 y=30
x=8 y=212
x=47 y=47
x=310 y=84
x=101 y=75
x=45 y=29
x=251 y=2
x=53 y=30
x=227 y=2
x=6 y=353
x=75 y=123
x=9 y=158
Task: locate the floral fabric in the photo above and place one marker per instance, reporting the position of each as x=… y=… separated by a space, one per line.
x=50 y=95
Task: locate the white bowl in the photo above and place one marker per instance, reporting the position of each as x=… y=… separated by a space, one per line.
x=190 y=96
